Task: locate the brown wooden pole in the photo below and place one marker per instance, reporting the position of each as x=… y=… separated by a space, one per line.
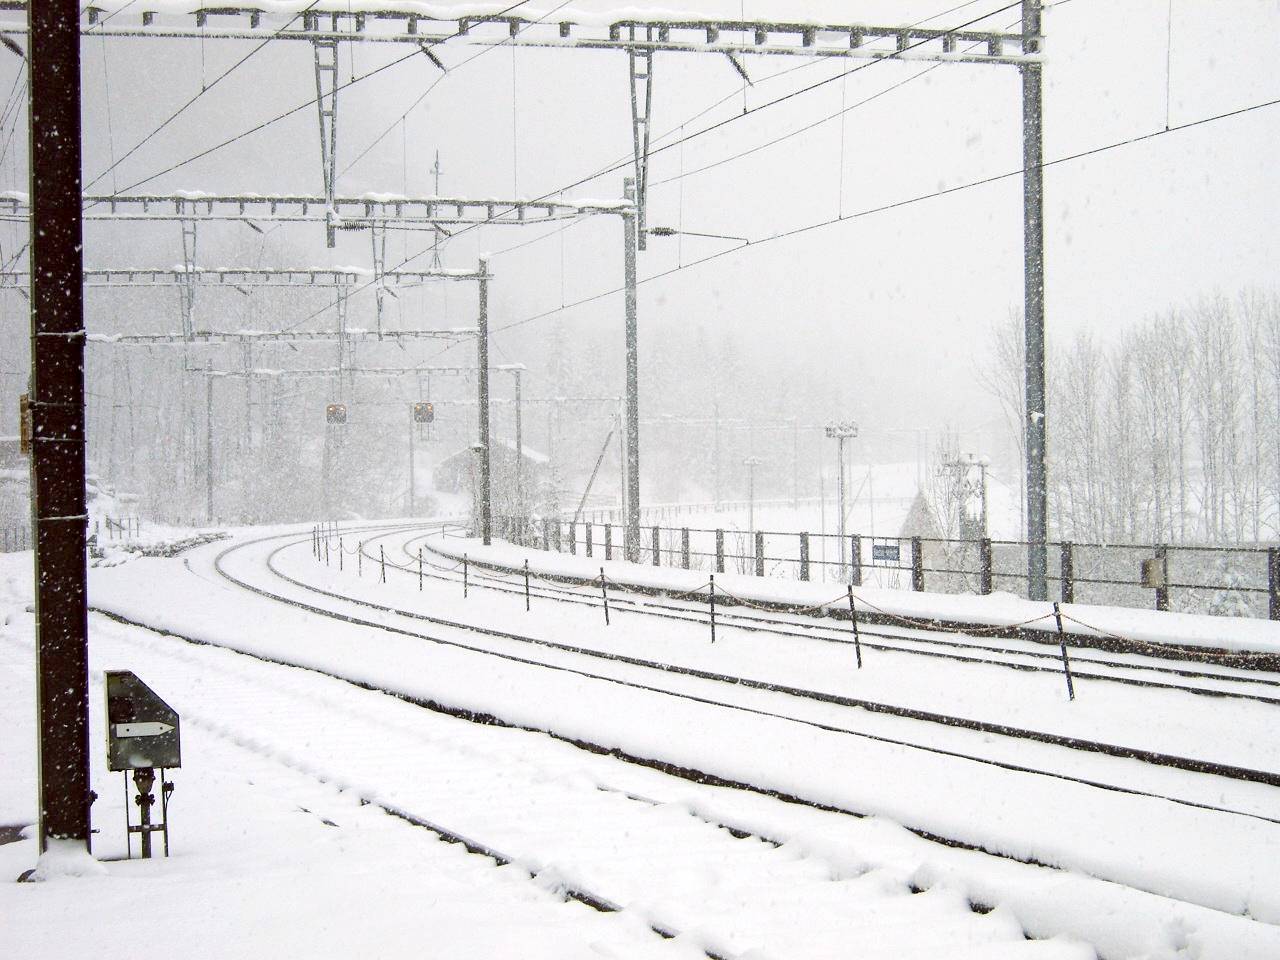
x=57 y=414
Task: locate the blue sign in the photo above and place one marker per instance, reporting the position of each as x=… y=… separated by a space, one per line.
x=885 y=551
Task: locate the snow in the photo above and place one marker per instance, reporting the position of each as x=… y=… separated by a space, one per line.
x=267 y=765
x=268 y=860
x=66 y=858
x=1040 y=821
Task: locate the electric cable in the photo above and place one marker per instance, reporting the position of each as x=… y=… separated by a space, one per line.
x=300 y=107
x=204 y=89
x=909 y=201
x=893 y=55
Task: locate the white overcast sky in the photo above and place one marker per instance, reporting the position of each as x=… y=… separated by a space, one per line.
x=897 y=304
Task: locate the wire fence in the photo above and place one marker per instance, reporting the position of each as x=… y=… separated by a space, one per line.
x=15 y=537
x=1222 y=581
x=116 y=528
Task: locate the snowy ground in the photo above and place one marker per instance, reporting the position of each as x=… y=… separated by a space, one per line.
x=273 y=752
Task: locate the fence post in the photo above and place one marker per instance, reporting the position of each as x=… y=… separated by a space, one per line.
x=604 y=592
x=465 y=585
x=985 y=565
x=853 y=618
x=804 y=556
x=326 y=551
x=759 y=553
x=855 y=560
x=712 y=601
x=573 y=538
x=608 y=541
x=359 y=558
x=1162 y=591
x=684 y=552
x=559 y=536
x=657 y=546
x=719 y=551
x=1273 y=581
x=589 y=535
x=1062 y=644
x=419 y=569
x=1068 y=572
x=917 y=564
x=382 y=559
x=526 y=586
x=341 y=552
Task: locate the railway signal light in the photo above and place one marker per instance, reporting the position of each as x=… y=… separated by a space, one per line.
x=424 y=412
x=335 y=413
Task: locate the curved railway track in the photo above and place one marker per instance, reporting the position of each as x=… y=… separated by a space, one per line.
x=438 y=630
x=730 y=682
x=286 y=706
x=1134 y=671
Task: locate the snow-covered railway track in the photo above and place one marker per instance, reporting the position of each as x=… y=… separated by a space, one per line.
x=1027 y=656
x=1053 y=767
x=562 y=816
x=723 y=680
x=725 y=733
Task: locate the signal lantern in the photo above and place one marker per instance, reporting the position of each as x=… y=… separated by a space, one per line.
x=335 y=413
x=424 y=412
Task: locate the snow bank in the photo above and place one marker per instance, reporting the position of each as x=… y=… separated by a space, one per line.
x=66 y=858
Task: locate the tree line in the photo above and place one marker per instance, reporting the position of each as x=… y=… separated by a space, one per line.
x=1167 y=433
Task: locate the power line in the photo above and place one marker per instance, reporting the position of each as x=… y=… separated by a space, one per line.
x=894 y=55
x=177 y=113
x=809 y=126
x=302 y=106
x=731 y=95
x=894 y=205
x=751 y=111
x=413 y=106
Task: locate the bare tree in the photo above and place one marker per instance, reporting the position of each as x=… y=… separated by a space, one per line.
x=1215 y=352
x=1004 y=377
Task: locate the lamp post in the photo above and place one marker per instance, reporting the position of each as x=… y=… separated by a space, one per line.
x=751 y=463
x=410 y=499
x=841 y=430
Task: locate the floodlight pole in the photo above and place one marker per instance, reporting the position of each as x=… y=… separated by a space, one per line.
x=208 y=444
x=412 y=466
x=840 y=499
x=751 y=463
x=482 y=376
x=840 y=432
x=632 y=427
x=1033 y=310
x=58 y=422
x=520 y=505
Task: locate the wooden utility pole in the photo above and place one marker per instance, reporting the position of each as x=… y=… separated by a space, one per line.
x=57 y=415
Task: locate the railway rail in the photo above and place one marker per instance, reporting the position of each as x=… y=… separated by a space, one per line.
x=731 y=682
x=1136 y=670
x=449 y=633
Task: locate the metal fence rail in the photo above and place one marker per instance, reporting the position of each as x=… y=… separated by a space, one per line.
x=1225 y=581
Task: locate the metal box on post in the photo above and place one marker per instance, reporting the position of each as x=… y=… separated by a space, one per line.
x=142 y=730
x=142 y=735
